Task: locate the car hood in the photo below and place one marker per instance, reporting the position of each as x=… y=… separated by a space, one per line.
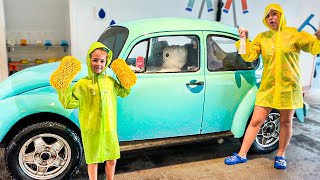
x=31 y=78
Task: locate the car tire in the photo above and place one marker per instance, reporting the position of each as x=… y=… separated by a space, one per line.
x=267 y=139
x=45 y=150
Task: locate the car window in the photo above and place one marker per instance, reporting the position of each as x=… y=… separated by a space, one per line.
x=137 y=56
x=165 y=54
x=222 y=55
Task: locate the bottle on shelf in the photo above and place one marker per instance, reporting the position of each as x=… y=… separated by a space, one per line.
x=23 y=39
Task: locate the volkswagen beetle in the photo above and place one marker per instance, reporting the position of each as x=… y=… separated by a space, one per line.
x=191 y=84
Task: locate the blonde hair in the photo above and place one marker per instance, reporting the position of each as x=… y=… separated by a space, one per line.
x=101 y=50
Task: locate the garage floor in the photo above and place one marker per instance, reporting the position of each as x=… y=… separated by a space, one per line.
x=205 y=160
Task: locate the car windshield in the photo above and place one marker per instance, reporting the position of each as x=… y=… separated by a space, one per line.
x=114 y=38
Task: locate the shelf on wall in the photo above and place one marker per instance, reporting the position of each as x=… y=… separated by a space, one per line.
x=11 y=48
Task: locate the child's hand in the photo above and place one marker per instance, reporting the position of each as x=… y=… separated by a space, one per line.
x=61 y=78
x=125 y=75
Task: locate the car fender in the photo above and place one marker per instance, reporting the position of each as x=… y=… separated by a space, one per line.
x=243 y=112
x=15 y=108
x=301 y=113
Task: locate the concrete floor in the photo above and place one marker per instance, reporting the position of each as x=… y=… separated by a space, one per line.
x=205 y=160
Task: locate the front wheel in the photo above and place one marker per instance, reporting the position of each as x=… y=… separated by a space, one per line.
x=267 y=139
x=44 y=150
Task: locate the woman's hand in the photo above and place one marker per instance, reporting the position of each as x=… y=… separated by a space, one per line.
x=317 y=33
x=243 y=33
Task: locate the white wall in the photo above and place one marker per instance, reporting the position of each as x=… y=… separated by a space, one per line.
x=86 y=28
x=38 y=19
x=35 y=20
x=3 y=49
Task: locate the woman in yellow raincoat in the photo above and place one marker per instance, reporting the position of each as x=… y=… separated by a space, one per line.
x=96 y=97
x=280 y=85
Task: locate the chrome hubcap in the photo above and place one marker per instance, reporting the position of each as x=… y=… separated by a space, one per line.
x=44 y=156
x=270 y=130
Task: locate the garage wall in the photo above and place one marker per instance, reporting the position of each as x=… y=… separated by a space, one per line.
x=37 y=19
x=3 y=55
x=34 y=20
x=86 y=27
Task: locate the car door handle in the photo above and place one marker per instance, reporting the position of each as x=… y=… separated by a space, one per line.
x=195 y=83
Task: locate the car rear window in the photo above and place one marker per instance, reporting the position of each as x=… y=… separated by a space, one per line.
x=114 y=38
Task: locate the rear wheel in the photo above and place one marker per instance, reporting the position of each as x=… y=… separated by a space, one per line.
x=267 y=139
x=44 y=150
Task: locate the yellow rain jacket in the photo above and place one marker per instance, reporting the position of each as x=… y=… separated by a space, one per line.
x=96 y=97
x=280 y=85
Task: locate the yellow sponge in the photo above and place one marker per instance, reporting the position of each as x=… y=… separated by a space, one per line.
x=62 y=77
x=125 y=75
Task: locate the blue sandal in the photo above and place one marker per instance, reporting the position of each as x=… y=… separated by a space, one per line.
x=234 y=159
x=280 y=162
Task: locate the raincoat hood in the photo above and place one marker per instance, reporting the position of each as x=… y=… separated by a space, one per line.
x=282 y=19
x=97 y=45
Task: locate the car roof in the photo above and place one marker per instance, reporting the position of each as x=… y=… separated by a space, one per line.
x=152 y=25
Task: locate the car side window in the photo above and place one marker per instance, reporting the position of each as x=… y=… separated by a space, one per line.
x=136 y=58
x=173 y=54
x=222 y=55
x=165 y=54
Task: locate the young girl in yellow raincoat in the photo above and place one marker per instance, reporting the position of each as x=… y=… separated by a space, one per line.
x=96 y=97
x=280 y=85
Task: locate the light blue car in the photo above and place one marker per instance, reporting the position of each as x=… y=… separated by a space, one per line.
x=191 y=84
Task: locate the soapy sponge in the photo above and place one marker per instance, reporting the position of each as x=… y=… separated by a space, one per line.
x=123 y=72
x=62 y=77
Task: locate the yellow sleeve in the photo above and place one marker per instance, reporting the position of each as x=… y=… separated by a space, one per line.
x=309 y=43
x=252 y=49
x=121 y=91
x=68 y=99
